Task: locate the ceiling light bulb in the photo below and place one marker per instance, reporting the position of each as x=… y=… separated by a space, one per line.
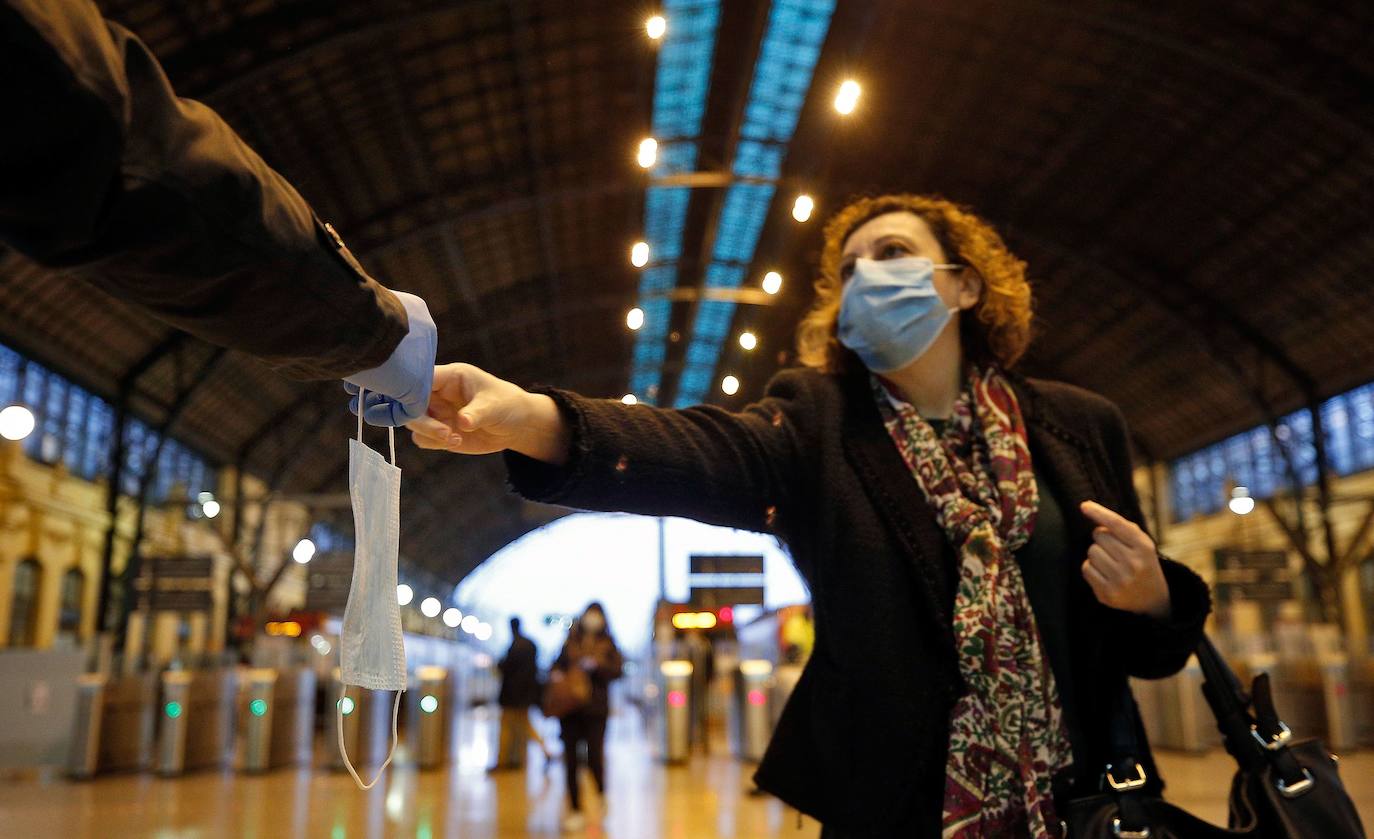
x=748 y=340
x=404 y=594
x=210 y=509
x=452 y=617
x=655 y=27
x=772 y=282
x=730 y=385
x=639 y=254
x=304 y=551
x=483 y=632
x=648 y=152
x=1242 y=506
x=429 y=607
x=469 y=623
x=16 y=422
x=848 y=97
x=802 y=207
x=629 y=399
x=634 y=318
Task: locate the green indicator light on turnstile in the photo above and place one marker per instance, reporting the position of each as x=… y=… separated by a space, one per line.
x=257 y=707
x=173 y=709
x=428 y=704
x=346 y=705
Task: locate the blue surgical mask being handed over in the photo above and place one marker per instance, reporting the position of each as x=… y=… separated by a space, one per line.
x=890 y=312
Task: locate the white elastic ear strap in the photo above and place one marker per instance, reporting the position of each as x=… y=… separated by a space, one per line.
x=343 y=749
x=390 y=430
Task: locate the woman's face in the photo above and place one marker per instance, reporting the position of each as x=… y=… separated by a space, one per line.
x=901 y=234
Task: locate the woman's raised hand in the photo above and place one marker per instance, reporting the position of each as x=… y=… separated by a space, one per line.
x=1123 y=564
x=473 y=412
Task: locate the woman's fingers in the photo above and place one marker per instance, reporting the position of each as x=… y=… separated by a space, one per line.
x=1105 y=565
x=1115 y=548
x=1101 y=586
x=479 y=412
x=1118 y=525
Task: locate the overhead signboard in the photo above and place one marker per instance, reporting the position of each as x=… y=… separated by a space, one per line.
x=328 y=579
x=176 y=584
x=726 y=564
x=1256 y=575
x=713 y=597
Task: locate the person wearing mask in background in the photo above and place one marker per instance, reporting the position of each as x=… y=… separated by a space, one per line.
x=590 y=647
x=938 y=505
x=519 y=690
x=106 y=175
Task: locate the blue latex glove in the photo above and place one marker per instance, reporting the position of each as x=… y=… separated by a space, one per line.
x=398 y=390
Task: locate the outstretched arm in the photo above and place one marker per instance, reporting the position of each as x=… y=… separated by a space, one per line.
x=737 y=469
x=106 y=174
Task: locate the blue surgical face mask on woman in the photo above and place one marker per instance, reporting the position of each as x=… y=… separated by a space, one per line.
x=890 y=312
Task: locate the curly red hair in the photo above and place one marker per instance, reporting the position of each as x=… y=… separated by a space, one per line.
x=997 y=329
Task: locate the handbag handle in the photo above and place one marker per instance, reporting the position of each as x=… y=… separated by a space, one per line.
x=1253 y=739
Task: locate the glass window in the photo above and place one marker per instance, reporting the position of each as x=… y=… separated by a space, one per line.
x=35 y=383
x=99 y=431
x=24 y=604
x=10 y=362
x=74 y=446
x=53 y=420
x=73 y=599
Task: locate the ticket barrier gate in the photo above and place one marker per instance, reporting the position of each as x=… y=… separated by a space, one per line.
x=1337 y=701
x=293 y=718
x=195 y=720
x=431 y=712
x=1175 y=712
x=253 y=746
x=83 y=755
x=675 y=710
x=127 y=708
x=1362 y=699
x=750 y=716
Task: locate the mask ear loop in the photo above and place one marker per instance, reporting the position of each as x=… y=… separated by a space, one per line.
x=343 y=749
x=390 y=430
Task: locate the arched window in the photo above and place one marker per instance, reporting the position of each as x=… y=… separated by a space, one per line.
x=73 y=599
x=24 y=605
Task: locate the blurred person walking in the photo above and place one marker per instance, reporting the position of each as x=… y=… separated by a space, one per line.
x=592 y=652
x=519 y=691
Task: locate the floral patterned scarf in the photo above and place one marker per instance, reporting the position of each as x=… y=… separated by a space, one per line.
x=1007 y=735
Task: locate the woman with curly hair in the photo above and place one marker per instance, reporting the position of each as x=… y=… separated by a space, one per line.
x=981 y=581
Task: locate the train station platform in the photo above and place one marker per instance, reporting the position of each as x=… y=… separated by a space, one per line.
x=708 y=797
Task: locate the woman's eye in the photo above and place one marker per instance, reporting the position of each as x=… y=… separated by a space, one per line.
x=846 y=271
x=892 y=250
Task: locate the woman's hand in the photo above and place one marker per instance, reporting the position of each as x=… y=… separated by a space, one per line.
x=1123 y=565
x=474 y=412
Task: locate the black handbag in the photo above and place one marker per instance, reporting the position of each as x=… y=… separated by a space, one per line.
x=1282 y=789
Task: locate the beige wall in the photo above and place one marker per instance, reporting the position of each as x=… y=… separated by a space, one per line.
x=60 y=521
x=1193 y=541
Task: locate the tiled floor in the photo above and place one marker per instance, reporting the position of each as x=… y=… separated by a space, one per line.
x=708 y=798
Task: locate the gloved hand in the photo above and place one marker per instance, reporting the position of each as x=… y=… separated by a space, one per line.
x=398 y=391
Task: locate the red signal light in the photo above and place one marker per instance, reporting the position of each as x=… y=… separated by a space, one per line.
x=727 y=614
x=677 y=698
x=757 y=697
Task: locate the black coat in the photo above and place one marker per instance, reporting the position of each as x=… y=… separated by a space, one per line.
x=108 y=176
x=861 y=743
x=519 y=675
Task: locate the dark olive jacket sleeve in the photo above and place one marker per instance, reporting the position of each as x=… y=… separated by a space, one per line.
x=107 y=175
x=1152 y=648
x=737 y=469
